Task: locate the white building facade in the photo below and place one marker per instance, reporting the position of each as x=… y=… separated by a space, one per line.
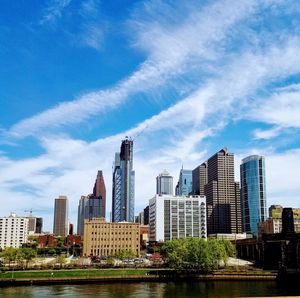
x=13 y=231
x=174 y=217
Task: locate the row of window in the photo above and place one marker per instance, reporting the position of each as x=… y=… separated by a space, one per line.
x=113 y=239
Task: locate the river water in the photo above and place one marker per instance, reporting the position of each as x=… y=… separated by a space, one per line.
x=155 y=290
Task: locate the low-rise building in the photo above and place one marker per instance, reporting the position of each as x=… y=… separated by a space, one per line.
x=231 y=237
x=103 y=238
x=13 y=231
x=273 y=225
x=47 y=240
x=173 y=217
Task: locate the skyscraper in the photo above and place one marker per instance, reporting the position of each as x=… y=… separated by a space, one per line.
x=123 y=184
x=99 y=191
x=89 y=207
x=60 y=224
x=253 y=192
x=222 y=194
x=92 y=205
x=164 y=183
x=199 y=179
x=185 y=183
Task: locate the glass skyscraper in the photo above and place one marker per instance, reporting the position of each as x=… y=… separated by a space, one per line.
x=253 y=192
x=185 y=182
x=123 y=184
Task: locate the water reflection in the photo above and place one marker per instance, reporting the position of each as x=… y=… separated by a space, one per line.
x=154 y=289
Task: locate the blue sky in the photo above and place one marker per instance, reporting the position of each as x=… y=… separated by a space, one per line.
x=182 y=78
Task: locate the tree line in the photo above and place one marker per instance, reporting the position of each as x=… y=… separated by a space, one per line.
x=197 y=254
x=20 y=255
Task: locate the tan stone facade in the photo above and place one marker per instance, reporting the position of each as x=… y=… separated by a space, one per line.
x=108 y=238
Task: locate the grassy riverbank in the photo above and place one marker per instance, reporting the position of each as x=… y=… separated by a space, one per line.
x=83 y=276
x=74 y=273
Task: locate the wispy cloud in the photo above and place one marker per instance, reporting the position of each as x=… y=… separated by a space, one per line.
x=169 y=57
x=54 y=10
x=93 y=36
x=93 y=27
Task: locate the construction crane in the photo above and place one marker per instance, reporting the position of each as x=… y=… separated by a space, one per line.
x=30 y=211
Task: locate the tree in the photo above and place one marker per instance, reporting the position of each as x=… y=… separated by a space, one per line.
x=9 y=254
x=27 y=254
x=60 y=241
x=61 y=260
x=125 y=254
x=229 y=247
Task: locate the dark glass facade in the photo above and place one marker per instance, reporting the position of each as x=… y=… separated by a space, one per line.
x=123 y=184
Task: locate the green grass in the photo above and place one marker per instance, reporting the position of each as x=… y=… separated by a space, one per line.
x=73 y=273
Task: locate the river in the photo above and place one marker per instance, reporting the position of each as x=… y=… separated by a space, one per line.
x=156 y=290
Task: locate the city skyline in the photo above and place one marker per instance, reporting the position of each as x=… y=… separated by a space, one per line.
x=181 y=79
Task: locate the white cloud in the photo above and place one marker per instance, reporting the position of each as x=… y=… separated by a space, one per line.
x=267 y=133
x=282 y=108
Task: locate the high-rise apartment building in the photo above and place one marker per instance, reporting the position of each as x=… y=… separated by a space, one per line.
x=253 y=192
x=60 y=224
x=174 y=217
x=164 y=183
x=185 y=183
x=99 y=191
x=199 y=175
x=222 y=194
x=13 y=231
x=123 y=184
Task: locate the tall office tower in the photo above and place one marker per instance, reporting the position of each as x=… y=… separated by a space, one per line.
x=199 y=179
x=123 y=184
x=253 y=192
x=60 y=224
x=89 y=207
x=13 y=231
x=222 y=194
x=99 y=191
x=185 y=183
x=164 y=183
